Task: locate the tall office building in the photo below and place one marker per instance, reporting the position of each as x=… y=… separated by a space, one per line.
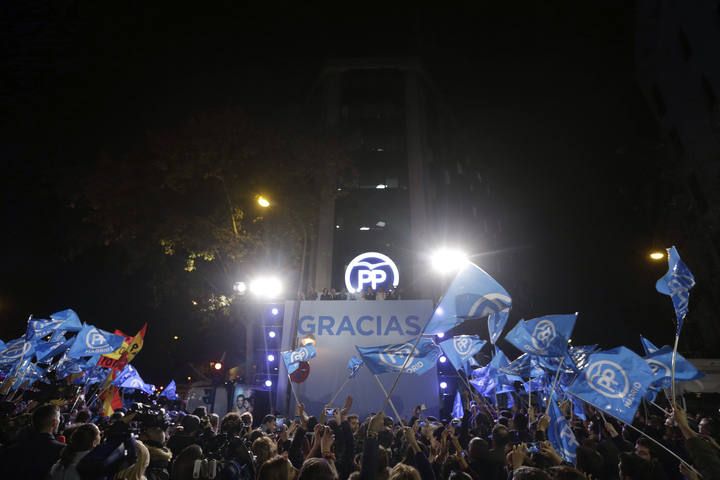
x=677 y=52
x=404 y=186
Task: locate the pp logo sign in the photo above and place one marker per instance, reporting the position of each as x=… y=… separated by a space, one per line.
x=18 y=350
x=371 y=269
x=299 y=355
x=608 y=379
x=396 y=355
x=463 y=344
x=95 y=339
x=659 y=369
x=543 y=335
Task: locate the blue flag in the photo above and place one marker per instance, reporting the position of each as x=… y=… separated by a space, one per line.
x=391 y=358
x=68 y=366
x=614 y=381
x=170 y=392
x=648 y=346
x=560 y=434
x=292 y=358
x=93 y=341
x=16 y=350
x=660 y=363
x=48 y=350
x=457 y=410
x=496 y=324
x=472 y=294
x=41 y=328
x=70 y=320
x=484 y=379
x=525 y=365
x=126 y=373
x=544 y=336
x=676 y=283
x=354 y=365
x=461 y=348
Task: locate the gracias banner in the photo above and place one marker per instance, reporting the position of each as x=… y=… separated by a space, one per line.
x=338 y=327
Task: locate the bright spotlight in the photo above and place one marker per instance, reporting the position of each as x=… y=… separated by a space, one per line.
x=262 y=201
x=443 y=385
x=271 y=358
x=271 y=334
x=447 y=260
x=443 y=359
x=266 y=287
x=657 y=256
x=441 y=335
x=217 y=366
x=381 y=186
x=268 y=383
x=240 y=288
x=274 y=311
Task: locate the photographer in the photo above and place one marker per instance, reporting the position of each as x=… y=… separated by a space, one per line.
x=153 y=436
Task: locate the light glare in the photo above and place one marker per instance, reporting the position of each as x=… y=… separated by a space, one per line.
x=657 y=256
x=263 y=202
x=267 y=287
x=271 y=334
x=448 y=260
x=443 y=359
x=271 y=358
x=443 y=385
x=268 y=383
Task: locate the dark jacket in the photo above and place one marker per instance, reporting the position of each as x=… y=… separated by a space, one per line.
x=32 y=458
x=705 y=457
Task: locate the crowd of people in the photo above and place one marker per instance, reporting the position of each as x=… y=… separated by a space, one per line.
x=50 y=441
x=367 y=294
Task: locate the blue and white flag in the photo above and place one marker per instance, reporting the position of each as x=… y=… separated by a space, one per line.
x=660 y=363
x=128 y=372
x=648 y=346
x=457 y=410
x=353 y=366
x=93 y=341
x=137 y=383
x=484 y=379
x=544 y=336
x=70 y=320
x=525 y=365
x=496 y=324
x=170 y=392
x=392 y=358
x=473 y=293
x=676 y=283
x=48 y=350
x=41 y=328
x=614 y=381
x=16 y=350
x=560 y=434
x=68 y=366
x=461 y=348
x=292 y=358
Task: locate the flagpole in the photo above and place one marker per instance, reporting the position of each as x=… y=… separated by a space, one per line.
x=392 y=405
x=404 y=365
x=552 y=390
x=292 y=389
x=672 y=367
x=339 y=390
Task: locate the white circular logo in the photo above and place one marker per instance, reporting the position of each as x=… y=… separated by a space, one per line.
x=543 y=334
x=373 y=270
x=94 y=339
x=396 y=355
x=658 y=368
x=299 y=355
x=607 y=378
x=18 y=350
x=463 y=344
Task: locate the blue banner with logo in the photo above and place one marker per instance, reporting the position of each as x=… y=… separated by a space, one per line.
x=94 y=341
x=560 y=434
x=614 y=381
x=660 y=362
x=415 y=358
x=676 y=283
x=461 y=348
x=338 y=327
x=544 y=336
x=496 y=324
x=473 y=293
x=170 y=392
x=293 y=358
x=353 y=366
x=70 y=320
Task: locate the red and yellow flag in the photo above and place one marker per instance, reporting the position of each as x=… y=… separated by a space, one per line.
x=127 y=351
x=111 y=401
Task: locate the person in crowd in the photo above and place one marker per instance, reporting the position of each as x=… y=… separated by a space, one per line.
x=84 y=438
x=153 y=438
x=188 y=435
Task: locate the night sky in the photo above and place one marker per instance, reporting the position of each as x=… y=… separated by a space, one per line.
x=547 y=89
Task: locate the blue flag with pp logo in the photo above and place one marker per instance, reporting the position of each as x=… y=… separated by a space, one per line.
x=392 y=358
x=16 y=350
x=676 y=283
x=70 y=320
x=560 y=434
x=544 y=336
x=496 y=324
x=41 y=328
x=353 y=366
x=473 y=293
x=170 y=392
x=292 y=358
x=614 y=381
x=461 y=348
x=660 y=362
x=93 y=341
x=48 y=350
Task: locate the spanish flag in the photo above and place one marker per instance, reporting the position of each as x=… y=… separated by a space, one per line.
x=111 y=401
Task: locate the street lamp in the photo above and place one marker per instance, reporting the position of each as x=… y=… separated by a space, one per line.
x=448 y=260
x=657 y=255
x=263 y=201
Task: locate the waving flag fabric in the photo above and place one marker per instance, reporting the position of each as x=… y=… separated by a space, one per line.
x=473 y=293
x=525 y=365
x=614 y=381
x=16 y=350
x=660 y=362
x=391 y=358
x=545 y=336
x=48 y=350
x=93 y=341
x=70 y=320
x=496 y=324
x=170 y=392
x=292 y=358
x=457 y=410
x=354 y=365
x=648 y=346
x=560 y=434
x=676 y=283
x=41 y=328
x=461 y=348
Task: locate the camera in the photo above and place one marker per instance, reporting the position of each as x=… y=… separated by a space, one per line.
x=149 y=417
